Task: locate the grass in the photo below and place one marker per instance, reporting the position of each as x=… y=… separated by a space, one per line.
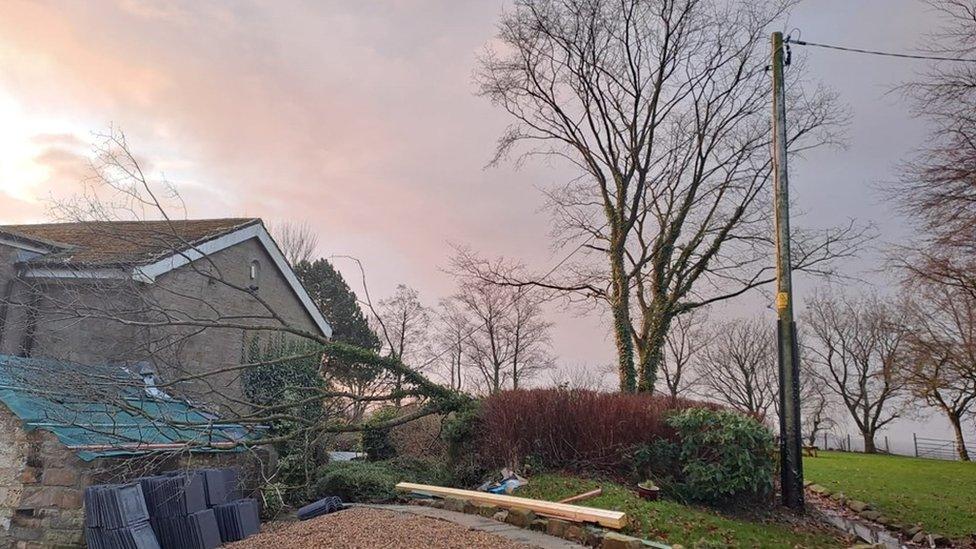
x=672 y=522
x=941 y=495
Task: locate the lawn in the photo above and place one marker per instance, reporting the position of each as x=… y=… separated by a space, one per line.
x=672 y=522
x=941 y=495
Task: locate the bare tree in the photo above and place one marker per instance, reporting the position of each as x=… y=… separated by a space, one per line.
x=297 y=240
x=509 y=342
x=738 y=367
x=686 y=339
x=404 y=325
x=941 y=353
x=529 y=333
x=855 y=345
x=938 y=189
x=453 y=334
x=184 y=334
x=662 y=108
x=816 y=404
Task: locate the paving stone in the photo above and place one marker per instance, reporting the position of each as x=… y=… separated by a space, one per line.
x=819 y=490
x=919 y=537
x=455 y=504
x=576 y=533
x=594 y=536
x=613 y=540
x=501 y=516
x=883 y=520
x=913 y=530
x=539 y=525
x=486 y=509
x=556 y=527
x=857 y=506
x=869 y=514
x=520 y=517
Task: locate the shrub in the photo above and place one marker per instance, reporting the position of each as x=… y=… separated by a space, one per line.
x=374 y=481
x=375 y=440
x=722 y=456
x=572 y=429
x=357 y=481
x=462 y=433
x=272 y=500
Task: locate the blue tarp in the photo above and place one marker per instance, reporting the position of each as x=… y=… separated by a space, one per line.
x=106 y=410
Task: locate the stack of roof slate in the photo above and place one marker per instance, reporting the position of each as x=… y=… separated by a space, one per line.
x=179 y=510
x=238 y=519
x=116 y=518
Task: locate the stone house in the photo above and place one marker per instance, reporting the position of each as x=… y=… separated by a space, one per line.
x=180 y=297
x=109 y=330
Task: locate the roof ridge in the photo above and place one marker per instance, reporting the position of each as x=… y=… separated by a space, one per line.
x=7 y=226
x=120 y=242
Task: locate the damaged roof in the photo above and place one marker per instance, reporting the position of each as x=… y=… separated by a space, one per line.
x=121 y=243
x=104 y=411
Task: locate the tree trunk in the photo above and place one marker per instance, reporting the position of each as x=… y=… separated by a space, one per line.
x=622 y=331
x=650 y=355
x=961 y=450
x=869 y=447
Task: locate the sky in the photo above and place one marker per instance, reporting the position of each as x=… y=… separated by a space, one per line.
x=361 y=118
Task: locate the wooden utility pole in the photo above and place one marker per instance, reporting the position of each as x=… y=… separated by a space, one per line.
x=791 y=459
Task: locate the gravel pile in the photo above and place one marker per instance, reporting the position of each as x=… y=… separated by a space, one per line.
x=368 y=528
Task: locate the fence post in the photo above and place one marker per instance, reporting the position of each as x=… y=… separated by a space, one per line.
x=887 y=448
x=825 y=440
x=849 y=447
x=915 y=440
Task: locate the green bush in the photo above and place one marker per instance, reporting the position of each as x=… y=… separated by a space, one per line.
x=357 y=481
x=462 y=431
x=722 y=456
x=374 y=481
x=375 y=440
x=272 y=500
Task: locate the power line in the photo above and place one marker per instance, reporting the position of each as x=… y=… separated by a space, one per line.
x=877 y=52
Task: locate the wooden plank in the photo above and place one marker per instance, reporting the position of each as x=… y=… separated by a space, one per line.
x=573 y=513
x=584 y=495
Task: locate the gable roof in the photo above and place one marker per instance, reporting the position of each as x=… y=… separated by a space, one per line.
x=100 y=410
x=144 y=250
x=121 y=243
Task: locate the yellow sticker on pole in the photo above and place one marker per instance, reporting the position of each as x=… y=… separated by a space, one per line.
x=782 y=301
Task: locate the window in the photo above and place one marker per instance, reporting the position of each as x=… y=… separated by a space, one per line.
x=255 y=274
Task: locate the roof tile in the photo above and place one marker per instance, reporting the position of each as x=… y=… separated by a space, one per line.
x=122 y=243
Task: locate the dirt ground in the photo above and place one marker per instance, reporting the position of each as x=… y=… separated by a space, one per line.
x=368 y=528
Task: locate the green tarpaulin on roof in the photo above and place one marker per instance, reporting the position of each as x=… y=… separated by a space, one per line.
x=105 y=411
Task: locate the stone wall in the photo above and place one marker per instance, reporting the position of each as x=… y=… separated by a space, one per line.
x=13 y=458
x=44 y=498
